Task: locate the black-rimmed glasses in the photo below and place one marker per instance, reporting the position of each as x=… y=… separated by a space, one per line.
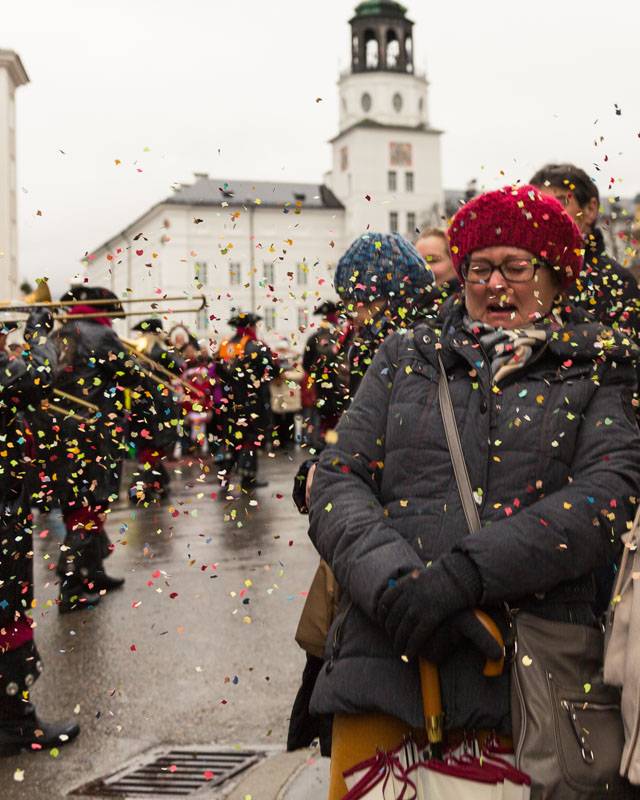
x=514 y=270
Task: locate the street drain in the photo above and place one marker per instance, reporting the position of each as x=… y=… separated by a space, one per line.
x=181 y=772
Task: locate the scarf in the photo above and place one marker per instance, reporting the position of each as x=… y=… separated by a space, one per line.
x=507 y=350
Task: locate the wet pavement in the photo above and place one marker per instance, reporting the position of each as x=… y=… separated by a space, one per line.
x=197 y=648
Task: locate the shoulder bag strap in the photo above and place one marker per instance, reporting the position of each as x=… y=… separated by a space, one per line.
x=455 y=450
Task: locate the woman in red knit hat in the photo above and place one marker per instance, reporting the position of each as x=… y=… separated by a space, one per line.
x=542 y=398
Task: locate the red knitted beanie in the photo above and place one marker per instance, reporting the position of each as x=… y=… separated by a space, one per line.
x=520 y=216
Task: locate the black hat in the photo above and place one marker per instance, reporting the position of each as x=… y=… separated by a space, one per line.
x=82 y=293
x=242 y=319
x=150 y=325
x=190 y=341
x=327 y=307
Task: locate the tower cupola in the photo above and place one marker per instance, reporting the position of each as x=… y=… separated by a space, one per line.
x=381 y=37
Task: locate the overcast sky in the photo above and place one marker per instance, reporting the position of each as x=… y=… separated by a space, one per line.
x=230 y=88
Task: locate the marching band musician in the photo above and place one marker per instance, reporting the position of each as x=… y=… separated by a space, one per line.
x=93 y=363
x=25 y=380
x=154 y=417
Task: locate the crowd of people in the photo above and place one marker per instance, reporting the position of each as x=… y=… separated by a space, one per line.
x=533 y=328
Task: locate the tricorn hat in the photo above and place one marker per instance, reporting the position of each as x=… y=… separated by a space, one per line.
x=242 y=319
x=149 y=325
x=83 y=293
x=327 y=307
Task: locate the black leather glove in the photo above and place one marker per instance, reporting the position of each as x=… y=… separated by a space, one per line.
x=39 y=325
x=415 y=605
x=462 y=629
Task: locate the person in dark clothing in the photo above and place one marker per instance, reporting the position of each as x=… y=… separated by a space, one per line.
x=534 y=381
x=154 y=417
x=322 y=375
x=246 y=365
x=381 y=280
x=433 y=246
x=604 y=288
x=25 y=380
x=94 y=364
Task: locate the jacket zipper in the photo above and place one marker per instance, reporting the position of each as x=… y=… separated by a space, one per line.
x=336 y=637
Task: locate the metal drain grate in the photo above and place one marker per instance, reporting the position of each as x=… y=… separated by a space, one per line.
x=180 y=772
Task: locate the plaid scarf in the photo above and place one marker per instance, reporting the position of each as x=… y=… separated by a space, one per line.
x=507 y=350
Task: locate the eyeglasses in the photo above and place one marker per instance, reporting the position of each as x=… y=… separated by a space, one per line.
x=514 y=270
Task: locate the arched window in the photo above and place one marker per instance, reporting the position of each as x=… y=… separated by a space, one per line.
x=393 y=50
x=408 y=49
x=355 y=55
x=371 y=50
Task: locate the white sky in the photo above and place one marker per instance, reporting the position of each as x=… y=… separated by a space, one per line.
x=229 y=88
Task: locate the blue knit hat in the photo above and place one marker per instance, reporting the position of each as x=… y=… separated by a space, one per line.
x=382 y=265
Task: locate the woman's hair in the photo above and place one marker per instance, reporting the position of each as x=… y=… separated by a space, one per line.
x=433 y=232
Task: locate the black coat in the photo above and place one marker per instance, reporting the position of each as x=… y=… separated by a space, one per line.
x=95 y=365
x=553 y=459
x=607 y=290
x=24 y=382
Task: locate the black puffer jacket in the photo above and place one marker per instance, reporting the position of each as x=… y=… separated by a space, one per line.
x=24 y=381
x=553 y=459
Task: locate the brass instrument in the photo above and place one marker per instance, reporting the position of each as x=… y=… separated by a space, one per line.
x=132 y=347
x=41 y=298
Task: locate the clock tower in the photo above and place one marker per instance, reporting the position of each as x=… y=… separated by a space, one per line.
x=386 y=156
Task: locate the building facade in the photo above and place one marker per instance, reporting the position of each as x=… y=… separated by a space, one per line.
x=272 y=247
x=12 y=75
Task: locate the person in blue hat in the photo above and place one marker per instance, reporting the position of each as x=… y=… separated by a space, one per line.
x=382 y=282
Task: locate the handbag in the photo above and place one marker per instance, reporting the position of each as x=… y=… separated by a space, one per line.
x=622 y=648
x=567 y=725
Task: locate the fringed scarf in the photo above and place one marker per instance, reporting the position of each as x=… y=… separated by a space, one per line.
x=507 y=350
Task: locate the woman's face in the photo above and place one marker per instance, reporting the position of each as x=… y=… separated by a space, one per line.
x=435 y=251
x=503 y=304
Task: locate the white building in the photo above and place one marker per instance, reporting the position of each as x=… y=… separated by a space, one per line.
x=272 y=247
x=12 y=75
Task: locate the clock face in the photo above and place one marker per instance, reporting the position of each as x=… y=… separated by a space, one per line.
x=366 y=101
x=397 y=101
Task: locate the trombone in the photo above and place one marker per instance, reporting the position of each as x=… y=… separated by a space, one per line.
x=41 y=298
x=130 y=344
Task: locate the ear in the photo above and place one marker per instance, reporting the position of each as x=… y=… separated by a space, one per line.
x=590 y=213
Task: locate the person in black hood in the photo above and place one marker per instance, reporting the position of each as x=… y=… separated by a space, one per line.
x=25 y=380
x=604 y=288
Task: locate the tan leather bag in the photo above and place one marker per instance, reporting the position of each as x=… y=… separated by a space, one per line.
x=319 y=611
x=622 y=649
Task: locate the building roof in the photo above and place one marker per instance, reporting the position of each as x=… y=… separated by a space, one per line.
x=372 y=123
x=380 y=8
x=10 y=60
x=206 y=191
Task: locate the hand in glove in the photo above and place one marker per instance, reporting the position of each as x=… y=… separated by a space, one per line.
x=463 y=629
x=39 y=325
x=417 y=603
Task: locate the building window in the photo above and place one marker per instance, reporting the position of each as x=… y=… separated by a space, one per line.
x=411 y=223
x=200 y=273
x=392 y=180
x=203 y=319
x=268 y=272
x=269 y=318
x=344 y=159
x=393 y=221
x=408 y=181
x=235 y=273
x=303 y=317
x=302 y=271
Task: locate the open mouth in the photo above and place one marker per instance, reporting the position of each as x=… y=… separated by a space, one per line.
x=501 y=308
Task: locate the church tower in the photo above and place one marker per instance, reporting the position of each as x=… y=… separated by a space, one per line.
x=386 y=156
